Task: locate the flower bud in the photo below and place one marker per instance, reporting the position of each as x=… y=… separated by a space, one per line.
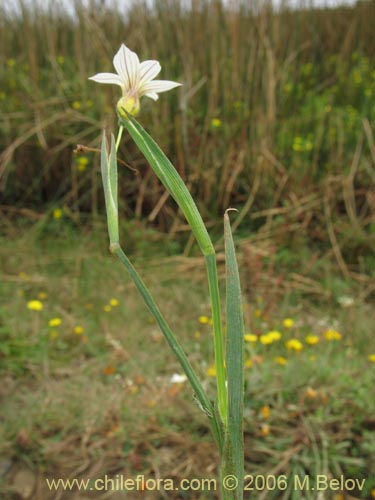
x=128 y=105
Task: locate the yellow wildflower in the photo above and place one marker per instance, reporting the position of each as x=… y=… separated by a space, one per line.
x=216 y=122
x=107 y=308
x=248 y=363
x=332 y=335
x=372 y=358
x=211 y=371
x=82 y=163
x=35 y=305
x=76 y=105
x=280 y=360
x=42 y=295
x=373 y=493
x=266 y=339
x=288 y=322
x=265 y=412
x=78 y=330
x=258 y=313
x=294 y=345
x=114 y=302
x=54 y=322
x=312 y=339
x=250 y=337
x=274 y=335
x=203 y=320
x=57 y=213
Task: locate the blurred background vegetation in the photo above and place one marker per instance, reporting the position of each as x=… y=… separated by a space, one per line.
x=275 y=118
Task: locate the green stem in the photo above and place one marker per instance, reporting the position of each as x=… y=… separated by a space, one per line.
x=119 y=135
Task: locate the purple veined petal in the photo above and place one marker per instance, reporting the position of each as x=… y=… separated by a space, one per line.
x=152 y=95
x=148 y=71
x=127 y=65
x=158 y=86
x=111 y=78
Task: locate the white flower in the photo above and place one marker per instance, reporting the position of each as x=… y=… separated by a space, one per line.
x=136 y=79
x=178 y=379
x=345 y=301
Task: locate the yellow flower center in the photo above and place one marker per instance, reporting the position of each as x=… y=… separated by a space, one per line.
x=128 y=105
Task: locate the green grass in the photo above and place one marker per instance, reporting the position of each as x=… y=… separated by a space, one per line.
x=105 y=395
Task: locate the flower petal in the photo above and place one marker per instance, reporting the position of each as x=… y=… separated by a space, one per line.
x=127 y=66
x=152 y=95
x=107 y=78
x=148 y=71
x=158 y=86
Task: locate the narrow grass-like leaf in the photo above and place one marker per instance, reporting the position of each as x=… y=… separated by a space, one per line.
x=113 y=172
x=233 y=459
x=108 y=164
x=109 y=177
x=172 y=181
x=213 y=286
x=200 y=394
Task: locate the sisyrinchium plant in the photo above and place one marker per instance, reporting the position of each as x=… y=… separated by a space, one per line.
x=225 y=414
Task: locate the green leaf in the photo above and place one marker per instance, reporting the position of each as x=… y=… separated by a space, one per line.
x=200 y=395
x=113 y=172
x=233 y=459
x=108 y=164
x=109 y=177
x=172 y=181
